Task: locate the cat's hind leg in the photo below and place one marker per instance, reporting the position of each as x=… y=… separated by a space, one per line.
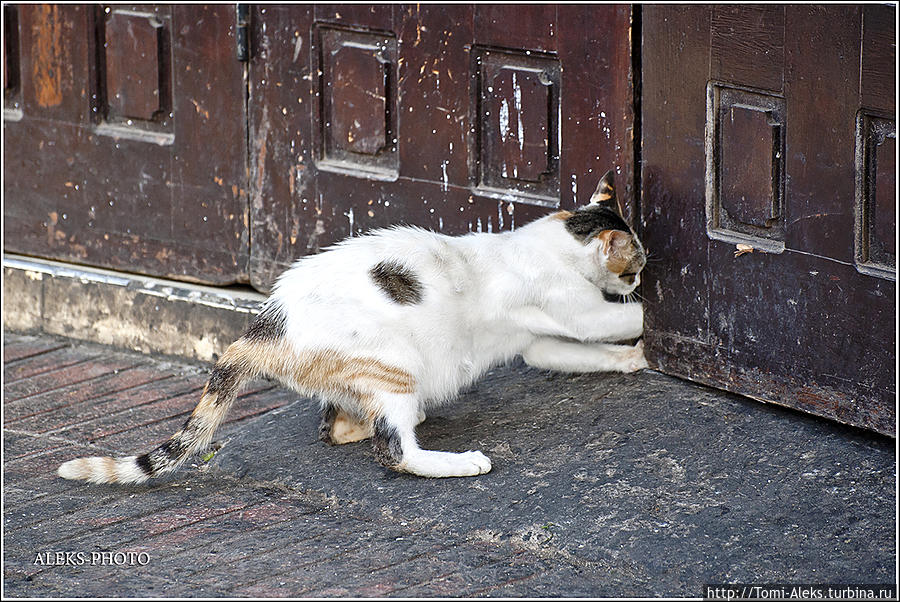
x=396 y=446
x=550 y=353
x=339 y=427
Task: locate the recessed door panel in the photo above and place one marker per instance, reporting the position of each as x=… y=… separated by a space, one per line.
x=126 y=140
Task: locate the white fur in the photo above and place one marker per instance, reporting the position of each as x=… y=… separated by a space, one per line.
x=486 y=298
x=102 y=470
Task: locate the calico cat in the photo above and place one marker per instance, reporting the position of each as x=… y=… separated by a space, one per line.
x=381 y=326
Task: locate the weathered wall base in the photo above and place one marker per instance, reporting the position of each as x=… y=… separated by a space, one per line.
x=124 y=310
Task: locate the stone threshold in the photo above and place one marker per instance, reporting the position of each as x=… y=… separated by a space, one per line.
x=129 y=311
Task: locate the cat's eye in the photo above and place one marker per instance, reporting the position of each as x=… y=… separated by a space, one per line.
x=628 y=277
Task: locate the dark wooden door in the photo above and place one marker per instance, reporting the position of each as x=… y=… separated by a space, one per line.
x=453 y=117
x=126 y=139
x=773 y=128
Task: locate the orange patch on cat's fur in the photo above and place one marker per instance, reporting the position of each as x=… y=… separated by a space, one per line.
x=326 y=372
x=347 y=429
x=561 y=215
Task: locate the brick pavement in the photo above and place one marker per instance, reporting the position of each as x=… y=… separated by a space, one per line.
x=602 y=485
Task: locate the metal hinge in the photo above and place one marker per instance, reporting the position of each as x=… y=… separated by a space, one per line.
x=242 y=31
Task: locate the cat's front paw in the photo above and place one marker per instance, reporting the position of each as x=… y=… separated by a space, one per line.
x=634 y=359
x=479 y=460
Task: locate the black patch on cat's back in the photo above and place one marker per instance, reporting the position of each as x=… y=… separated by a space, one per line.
x=398 y=282
x=586 y=223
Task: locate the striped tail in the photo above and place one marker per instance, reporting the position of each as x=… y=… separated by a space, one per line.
x=220 y=392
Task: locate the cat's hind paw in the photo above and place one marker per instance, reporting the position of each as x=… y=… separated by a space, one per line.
x=426 y=463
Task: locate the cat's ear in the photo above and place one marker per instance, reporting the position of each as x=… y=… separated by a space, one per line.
x=614 y=242
x=618 y=248
x=605 y=194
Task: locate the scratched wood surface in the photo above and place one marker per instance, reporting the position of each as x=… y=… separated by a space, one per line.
x=810 y=323
x=123 y=151
x=454 y=117
x=128 y=146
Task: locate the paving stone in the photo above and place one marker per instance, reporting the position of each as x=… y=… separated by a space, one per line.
x=47 y=411
x=19 y=392
x=54 y=359
x=472 y=581
x=217 y=552
x=638 y=475
x=115 y=518
x=145 y=427
x=439 y=561
x=17 y=444
x=43 y=462
x=565 y=582
x=103 y=582
x=23 y=347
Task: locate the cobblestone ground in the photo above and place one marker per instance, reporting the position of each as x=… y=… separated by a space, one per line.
x=603 y=485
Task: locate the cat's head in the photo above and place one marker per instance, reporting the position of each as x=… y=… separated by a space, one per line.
x=611 y=244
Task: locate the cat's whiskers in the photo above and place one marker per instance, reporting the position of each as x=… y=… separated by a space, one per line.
x=648 y=257
x=640 y=297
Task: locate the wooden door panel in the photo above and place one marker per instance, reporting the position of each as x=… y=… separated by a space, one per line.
x=673 y=229
x=517 y=124
x=128 y=147
x=782 y=167
x=12 y=59
x=879 y=58
x=509 y=26
x=50 y=49
x=745 y=166
x=434 y=82
x=356 y=124
x=876 y=143
x=747 y=45
x=287 y=219
x=457 y=118
x=598 y=116
x=821 y=134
